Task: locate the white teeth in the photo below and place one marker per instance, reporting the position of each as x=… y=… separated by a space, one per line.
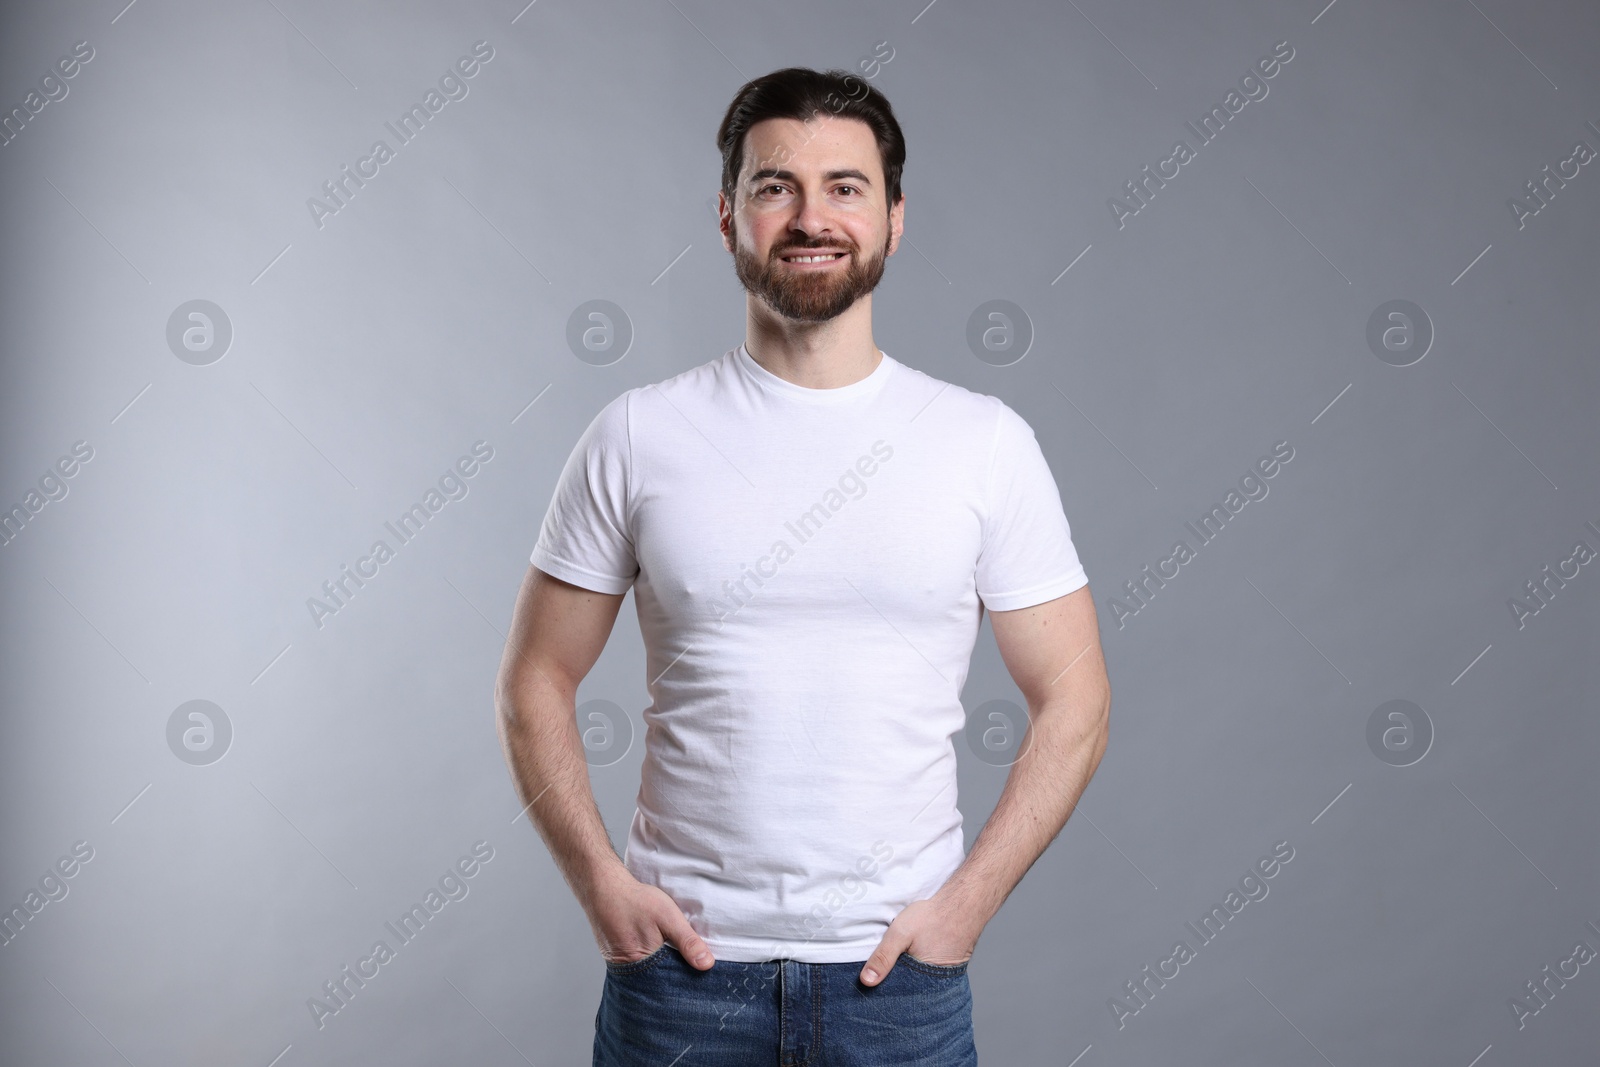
x=813 y=259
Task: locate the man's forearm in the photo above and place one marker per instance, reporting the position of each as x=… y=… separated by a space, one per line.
x=538 y=731
x=1067 y=738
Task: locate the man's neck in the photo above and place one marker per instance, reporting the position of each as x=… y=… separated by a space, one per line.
x=820 y=355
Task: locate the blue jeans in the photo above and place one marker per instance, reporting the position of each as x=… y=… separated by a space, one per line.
x=662 y=1012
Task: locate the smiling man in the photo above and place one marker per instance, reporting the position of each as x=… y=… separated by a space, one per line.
x=812 y=531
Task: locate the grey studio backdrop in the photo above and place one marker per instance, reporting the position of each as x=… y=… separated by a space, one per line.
x=1372 y=673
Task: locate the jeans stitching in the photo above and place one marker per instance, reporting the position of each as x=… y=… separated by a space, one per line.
x=783 y=1014
x=816 y=1012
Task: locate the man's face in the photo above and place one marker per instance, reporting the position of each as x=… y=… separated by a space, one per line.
x=811 y=188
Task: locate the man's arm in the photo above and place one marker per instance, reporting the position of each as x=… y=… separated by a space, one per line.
x=558 y=631
x=1053 y=653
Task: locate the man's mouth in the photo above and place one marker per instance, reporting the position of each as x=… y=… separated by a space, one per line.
x=813 y=257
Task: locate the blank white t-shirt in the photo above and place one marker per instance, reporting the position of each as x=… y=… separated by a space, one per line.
x=807 y=566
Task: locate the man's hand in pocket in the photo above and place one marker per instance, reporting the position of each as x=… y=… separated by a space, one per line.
x=632 y=920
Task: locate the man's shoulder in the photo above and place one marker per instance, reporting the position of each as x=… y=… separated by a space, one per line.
x=951 y=406
x=698 y=380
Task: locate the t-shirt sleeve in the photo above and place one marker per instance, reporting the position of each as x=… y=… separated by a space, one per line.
x=1027 y=556
x=586 y=537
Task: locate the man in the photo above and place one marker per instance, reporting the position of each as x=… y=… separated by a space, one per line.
x=812 y=531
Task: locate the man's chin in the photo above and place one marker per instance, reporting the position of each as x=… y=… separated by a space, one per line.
x=807 y=303
x=810 y=311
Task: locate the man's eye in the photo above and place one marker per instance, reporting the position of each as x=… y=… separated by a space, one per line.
x=850 y=187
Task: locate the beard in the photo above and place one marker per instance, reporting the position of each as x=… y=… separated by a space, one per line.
x=808 y=296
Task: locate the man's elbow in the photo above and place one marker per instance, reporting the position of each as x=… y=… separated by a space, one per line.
x=1091 y=717
x=1096 y=715
x=513 y=696
x=529 y=687
x=1084 y=717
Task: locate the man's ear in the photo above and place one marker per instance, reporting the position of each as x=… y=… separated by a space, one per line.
x=897 y=224
x=724 y=216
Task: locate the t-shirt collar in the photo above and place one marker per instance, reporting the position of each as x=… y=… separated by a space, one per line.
x=767 y=380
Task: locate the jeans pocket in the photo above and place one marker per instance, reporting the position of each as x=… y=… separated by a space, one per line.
x=938 y=970
x=631 y=966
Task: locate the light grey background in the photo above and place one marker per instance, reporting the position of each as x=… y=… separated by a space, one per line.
x=369 y=354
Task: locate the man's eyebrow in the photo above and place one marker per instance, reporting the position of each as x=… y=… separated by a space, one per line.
x=788 y=176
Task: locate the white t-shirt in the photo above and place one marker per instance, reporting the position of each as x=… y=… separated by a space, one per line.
x=807 y=566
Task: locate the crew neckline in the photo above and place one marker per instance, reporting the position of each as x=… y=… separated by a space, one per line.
x=782 y=386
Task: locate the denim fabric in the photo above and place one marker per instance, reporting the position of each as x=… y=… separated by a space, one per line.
x=662 y=1012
